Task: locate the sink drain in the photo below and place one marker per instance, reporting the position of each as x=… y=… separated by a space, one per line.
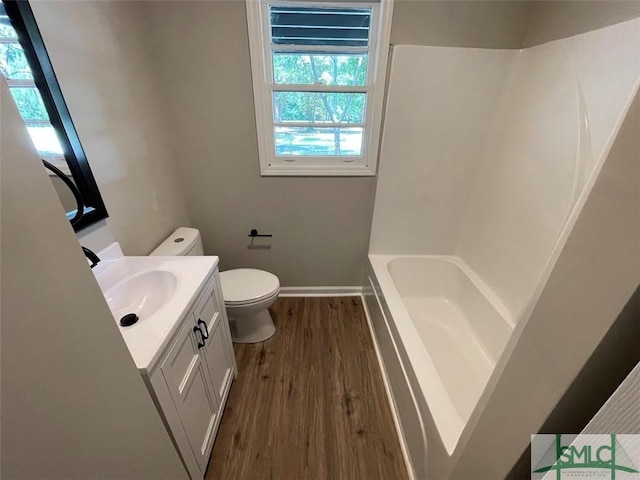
x=129 y=319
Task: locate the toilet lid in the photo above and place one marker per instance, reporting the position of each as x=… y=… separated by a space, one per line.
x=247 y=285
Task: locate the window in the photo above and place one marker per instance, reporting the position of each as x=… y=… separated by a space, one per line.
x=16 y=71
x=318 y=80
x=26 y=67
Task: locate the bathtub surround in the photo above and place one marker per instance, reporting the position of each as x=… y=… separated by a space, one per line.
x=98 y=56
x=502 y=200
x=594 y=277
x=476 y=198
x=63 y=392
x=430 y=143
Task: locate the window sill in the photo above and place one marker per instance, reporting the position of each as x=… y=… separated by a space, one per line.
x=316 y=171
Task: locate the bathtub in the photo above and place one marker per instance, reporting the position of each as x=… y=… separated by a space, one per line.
x=439 y=331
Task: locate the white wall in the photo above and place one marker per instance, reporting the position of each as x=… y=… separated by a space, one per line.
x=64 y=194
x=142 y=195
x=461 y=23
x=320 y=225
x=560 y=19
x=608 y=366
x=440 y=106
x=73 y=404
x=97 y=53
x=621 y=413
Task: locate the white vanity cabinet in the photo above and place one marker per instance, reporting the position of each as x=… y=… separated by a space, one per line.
x=192 y=377
x=210 y=317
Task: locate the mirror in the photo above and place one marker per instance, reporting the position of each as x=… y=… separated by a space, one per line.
x=64 y=194
x=26 y=67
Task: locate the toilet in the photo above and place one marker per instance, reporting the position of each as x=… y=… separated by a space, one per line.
x=248 y=293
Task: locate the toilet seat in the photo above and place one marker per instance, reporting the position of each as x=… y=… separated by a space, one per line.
x=252 y=302
x=246 y=286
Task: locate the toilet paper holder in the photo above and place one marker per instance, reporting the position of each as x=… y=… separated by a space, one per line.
x=254 y=233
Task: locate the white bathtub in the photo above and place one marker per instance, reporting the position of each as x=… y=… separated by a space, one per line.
x=440 y=331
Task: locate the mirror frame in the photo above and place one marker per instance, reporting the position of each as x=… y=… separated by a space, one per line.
x=24 y=22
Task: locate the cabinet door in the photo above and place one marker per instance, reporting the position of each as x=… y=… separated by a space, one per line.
x=224 y=325
x=217 y=361
x=216 y=350
x=188 y=381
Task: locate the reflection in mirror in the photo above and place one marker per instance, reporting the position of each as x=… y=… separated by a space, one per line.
x=26 y=67
x=64 y=194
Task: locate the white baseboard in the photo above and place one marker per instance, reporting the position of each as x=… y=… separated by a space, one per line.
x=320 y=291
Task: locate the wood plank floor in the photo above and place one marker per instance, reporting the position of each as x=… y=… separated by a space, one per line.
x=309 y=403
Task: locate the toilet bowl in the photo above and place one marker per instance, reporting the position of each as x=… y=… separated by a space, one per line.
x=248 y=293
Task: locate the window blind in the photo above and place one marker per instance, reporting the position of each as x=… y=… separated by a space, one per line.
x=340 y=27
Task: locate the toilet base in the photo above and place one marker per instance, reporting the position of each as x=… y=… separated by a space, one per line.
x=253 y=328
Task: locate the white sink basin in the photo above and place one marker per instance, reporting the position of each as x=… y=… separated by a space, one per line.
x=159 y=290
x=142 y=294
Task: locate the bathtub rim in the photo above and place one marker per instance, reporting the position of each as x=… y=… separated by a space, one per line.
x=448 y=421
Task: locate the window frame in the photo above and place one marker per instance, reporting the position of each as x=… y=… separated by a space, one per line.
x=57 y=160
x=258 y=23
x=45 y=80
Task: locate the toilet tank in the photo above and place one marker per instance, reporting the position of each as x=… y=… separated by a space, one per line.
x=184 y=241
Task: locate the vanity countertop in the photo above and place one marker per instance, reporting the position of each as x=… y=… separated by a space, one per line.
x=147 y=338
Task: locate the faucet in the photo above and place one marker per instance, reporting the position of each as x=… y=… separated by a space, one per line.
x=93 y=258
